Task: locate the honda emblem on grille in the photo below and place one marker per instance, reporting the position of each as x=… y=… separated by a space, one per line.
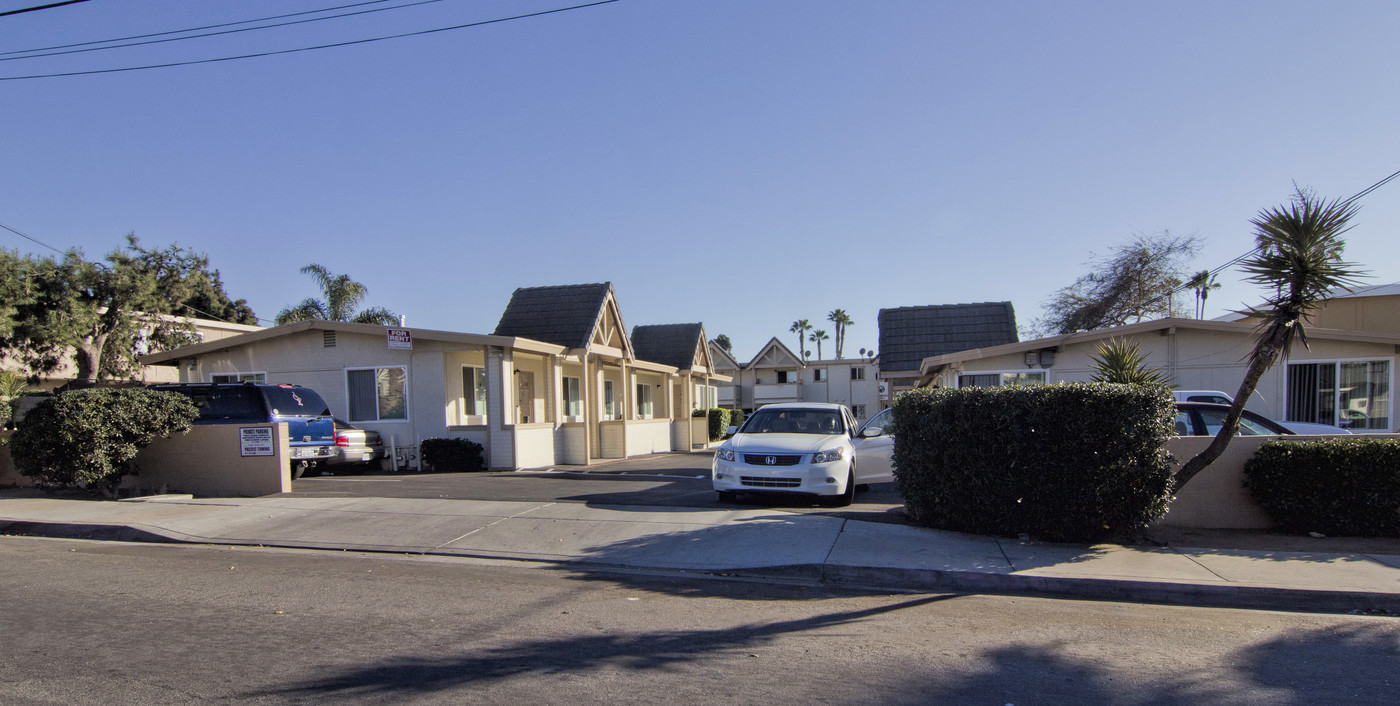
x=771 y=460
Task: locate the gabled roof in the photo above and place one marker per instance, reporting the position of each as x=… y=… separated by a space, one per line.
x=775 y=355
x=571 y=315
x=721 y=358
x=909 y=334
x=681 y=346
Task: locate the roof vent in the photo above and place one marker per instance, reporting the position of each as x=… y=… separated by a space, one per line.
x=328 y=339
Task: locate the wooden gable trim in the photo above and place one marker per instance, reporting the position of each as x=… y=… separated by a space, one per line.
x=609 y=333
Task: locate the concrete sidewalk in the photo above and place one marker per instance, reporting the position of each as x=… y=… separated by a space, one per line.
x=747 y=542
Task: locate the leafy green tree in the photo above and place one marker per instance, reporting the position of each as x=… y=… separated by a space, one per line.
x=1134 y=282
x=841 y=319
x=801 y=327
x=723 y=342
x=342 y=296
x=817 y=337
x=14 y=287
x=1120 y=361
x=11 y=387
x=90 y=437
x=102 y=316
x=1298 y=260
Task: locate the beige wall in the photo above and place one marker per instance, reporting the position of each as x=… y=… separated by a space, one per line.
x=1360 y=314
x=1195 y=360
x=205 y=462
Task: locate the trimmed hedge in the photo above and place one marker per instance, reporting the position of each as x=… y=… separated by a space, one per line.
x=718 y=422
x=89 y=437
x=1067 y=462
x=1347 y=487
x=452 y=455
x=736 y=417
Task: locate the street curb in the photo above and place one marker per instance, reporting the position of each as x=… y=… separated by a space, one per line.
x=887 y=578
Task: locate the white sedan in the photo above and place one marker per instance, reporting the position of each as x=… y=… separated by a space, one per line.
x=811 y=448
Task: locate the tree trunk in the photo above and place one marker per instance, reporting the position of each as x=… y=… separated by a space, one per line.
x=1257 y=365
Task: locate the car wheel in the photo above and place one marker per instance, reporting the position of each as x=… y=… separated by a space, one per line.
x=297 y=470
x=728 y=496
x=847 y=497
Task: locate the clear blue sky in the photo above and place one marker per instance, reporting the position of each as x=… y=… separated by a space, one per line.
x=744 y=163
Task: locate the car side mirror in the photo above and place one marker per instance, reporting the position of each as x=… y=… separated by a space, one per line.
x=872 y=432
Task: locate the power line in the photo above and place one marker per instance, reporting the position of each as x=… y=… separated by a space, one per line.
x=312 y=48
x=30 y=238
x=49 y=6
x=110 y=45
x=192 y=29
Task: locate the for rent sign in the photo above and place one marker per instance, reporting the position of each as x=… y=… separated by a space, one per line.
x=401 y=339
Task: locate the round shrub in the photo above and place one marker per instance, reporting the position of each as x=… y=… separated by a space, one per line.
x=452 y=455
x=1347 y=487
x=90 y=437
x=1067 y=462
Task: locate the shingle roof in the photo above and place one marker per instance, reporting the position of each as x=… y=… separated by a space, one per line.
x=668 y=344
x=563 y=315
x=909 y=334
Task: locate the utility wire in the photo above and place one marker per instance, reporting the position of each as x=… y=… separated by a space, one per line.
x=313 y=48
x=30 y=238
x=220 y=32
x=193 y=29
x=1183 y=287
x=49 y=6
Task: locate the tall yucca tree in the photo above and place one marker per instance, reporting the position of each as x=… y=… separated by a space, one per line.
x=801 y=327
x=343 y=295
x=1298 y=257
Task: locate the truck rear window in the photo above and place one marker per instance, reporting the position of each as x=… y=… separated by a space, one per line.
x=296 y=402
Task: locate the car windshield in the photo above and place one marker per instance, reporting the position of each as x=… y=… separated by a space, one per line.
x=795 y=421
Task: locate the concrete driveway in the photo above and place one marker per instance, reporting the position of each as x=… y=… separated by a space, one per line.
x=679 y=480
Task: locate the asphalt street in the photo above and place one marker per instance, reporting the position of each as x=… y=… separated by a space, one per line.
x=664 y=480
x=90 y=622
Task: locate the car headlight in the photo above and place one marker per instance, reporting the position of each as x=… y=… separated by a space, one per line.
x=829 y=455
x=725 y=454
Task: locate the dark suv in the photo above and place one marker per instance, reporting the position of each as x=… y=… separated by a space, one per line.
x=310 y=427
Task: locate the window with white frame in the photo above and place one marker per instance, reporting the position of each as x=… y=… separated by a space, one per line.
x=818 y=374
x=609 y=401
x=858 y=410
x=1350 y=394
x=473 y=391
x=377 y=394
x=857 y=373
x=644 y=409
x=999 y=379
x=787 y=376
x=706 y=396
x=238 y=377
x=573 y=400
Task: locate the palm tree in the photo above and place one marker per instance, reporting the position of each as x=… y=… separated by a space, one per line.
x=1202 y=282
x=342 y=296
x=801 y=327
x=818 y=336
x=1298 y=257
x=842 y=320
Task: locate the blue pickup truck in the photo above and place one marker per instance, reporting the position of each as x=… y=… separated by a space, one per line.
x=310 y=426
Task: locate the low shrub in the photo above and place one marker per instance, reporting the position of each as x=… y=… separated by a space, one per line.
x=1067 y=462
x=89 y=437
x=1347 y=487
x=736 y=417
x=718 y=422
x=452 y=455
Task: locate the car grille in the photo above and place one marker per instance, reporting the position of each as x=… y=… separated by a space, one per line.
x=771 y=460
x=760 y=482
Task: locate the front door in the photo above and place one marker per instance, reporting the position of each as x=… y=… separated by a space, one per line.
x=524 y=397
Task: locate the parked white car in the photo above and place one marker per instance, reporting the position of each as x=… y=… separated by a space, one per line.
x=1218 y=397
x=812 y=448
